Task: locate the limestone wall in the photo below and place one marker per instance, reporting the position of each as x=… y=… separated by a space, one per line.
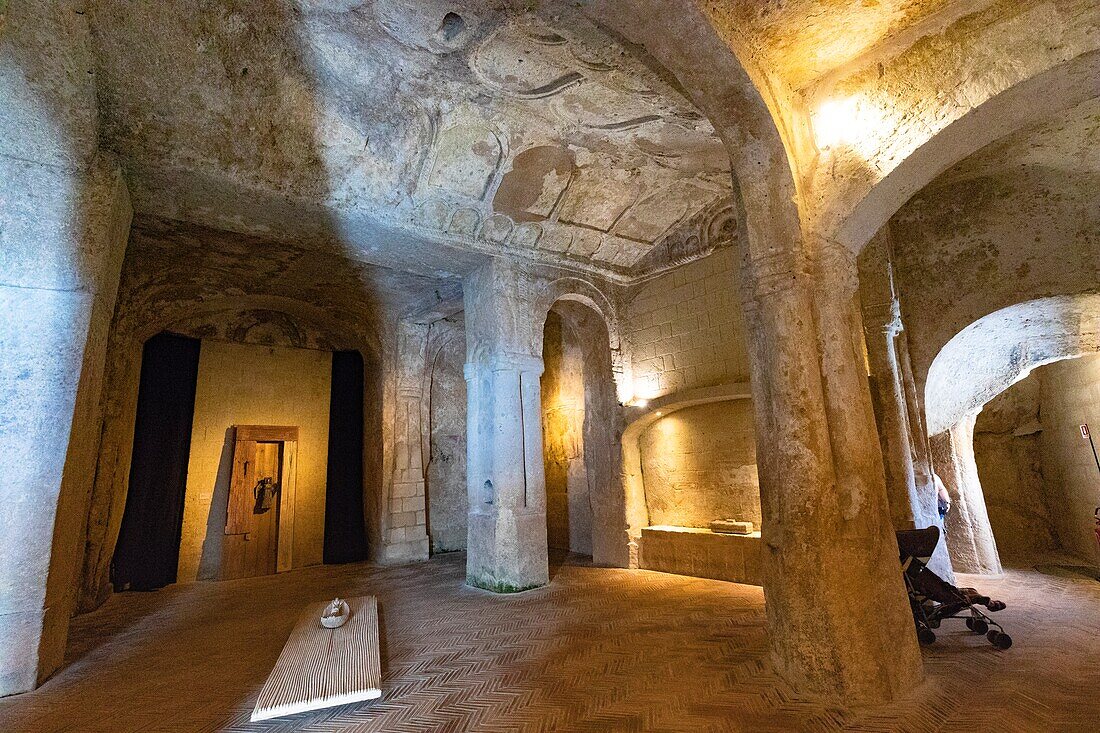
x=1037 y=472
x=699 y=464
x=446 y=468
x=568 y=505
x=684 y=329
x=1070 y=396
x=1008 y=451
x=252 y=385
x=1009 y=225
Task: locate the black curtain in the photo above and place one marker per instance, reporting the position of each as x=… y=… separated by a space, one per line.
x=148 y=547
x=345 y=535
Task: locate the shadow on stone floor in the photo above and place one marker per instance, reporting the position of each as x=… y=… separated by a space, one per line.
x=598 y=649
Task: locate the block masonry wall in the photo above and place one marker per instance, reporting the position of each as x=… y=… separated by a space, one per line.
x=699 y=465
x=685 y=329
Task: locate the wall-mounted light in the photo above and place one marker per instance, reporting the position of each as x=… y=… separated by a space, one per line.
x=850 y=122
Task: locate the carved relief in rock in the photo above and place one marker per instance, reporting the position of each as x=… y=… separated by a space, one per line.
x=466 y=158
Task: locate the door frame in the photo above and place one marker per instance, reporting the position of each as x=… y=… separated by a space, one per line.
x=288 y=436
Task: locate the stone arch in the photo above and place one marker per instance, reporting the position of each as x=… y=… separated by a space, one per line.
x=120 y=393
x=441 y=342
x=636 y=512
x=1014 y=340
x=581 y=291
x=575 y=300
x=853 y=217
x=816 y=440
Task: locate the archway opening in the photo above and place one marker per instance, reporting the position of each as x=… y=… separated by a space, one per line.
x=247 y=459
x=1034 y=450
x=1008 y=437
x=445 y=473
x=578 y=402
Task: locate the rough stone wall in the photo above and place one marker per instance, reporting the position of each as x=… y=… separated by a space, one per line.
x=446 y=468
x=568 y=506
x=252 y=385
x=1070 y=396
x=699 y=464
x=1008 y=451
x=1011 y=224
x=64 y=218
x=602 y=436
x=685 y=329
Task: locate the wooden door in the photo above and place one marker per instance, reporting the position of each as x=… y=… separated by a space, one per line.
x=260 y=459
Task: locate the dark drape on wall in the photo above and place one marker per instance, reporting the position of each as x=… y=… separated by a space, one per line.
x=148 y=547
x=345 y=534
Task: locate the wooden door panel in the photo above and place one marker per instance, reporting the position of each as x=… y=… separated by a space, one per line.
x=251 y=543
x=264 y=537
x=238 y=520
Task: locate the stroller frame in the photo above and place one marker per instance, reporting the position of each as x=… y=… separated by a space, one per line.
x=950 y=602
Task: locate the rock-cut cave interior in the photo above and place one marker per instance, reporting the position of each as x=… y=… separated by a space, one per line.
x=649 y=365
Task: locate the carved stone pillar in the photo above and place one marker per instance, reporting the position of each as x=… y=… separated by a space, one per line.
x=881 y=328
x=969 y=534
x=406 y=527
x=506 y=545
x=826 y=524
x=925 y=508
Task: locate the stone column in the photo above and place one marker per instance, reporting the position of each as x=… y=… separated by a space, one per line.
x=891 y=411
x=406 y=525
x=881 y=327
x=64 y=220
x=969 y=536
x=506 y=545
x=829 y=543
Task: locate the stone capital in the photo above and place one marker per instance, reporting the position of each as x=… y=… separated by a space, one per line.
x=772 y=274
x=506 y=362
x=882 y=317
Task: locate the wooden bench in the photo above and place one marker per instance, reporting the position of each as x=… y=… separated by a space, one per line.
x=321 y=668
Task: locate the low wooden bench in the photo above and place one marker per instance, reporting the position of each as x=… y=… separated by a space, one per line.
x=321 y=668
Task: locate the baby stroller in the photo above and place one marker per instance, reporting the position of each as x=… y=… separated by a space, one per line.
x=933 y=599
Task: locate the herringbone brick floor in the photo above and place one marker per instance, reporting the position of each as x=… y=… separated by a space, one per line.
x=599 y=649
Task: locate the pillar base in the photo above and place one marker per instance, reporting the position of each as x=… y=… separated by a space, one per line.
x=506 y=551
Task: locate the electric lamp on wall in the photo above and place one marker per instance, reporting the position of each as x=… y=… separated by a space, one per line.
x=851 y=122
x=637 y=393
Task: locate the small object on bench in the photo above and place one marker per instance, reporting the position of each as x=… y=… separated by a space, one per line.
x=730 y=526
x=321 y=667
x=335 y=614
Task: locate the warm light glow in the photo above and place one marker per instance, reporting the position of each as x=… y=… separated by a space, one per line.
x=659 y=413
x=851 y=122
x=637 y=402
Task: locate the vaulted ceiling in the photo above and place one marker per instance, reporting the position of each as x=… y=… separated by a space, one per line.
x=415 y=133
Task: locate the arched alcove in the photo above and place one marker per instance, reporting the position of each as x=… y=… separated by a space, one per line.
x=578 y=417
x=981 y=362
x=445 y=430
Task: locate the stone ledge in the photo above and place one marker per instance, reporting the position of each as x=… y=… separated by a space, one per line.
x=702 y=553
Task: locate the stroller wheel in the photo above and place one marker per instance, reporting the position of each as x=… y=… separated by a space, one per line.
x=999 y=639
x=977 y=625
x=933 y=623
x=926 y=636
